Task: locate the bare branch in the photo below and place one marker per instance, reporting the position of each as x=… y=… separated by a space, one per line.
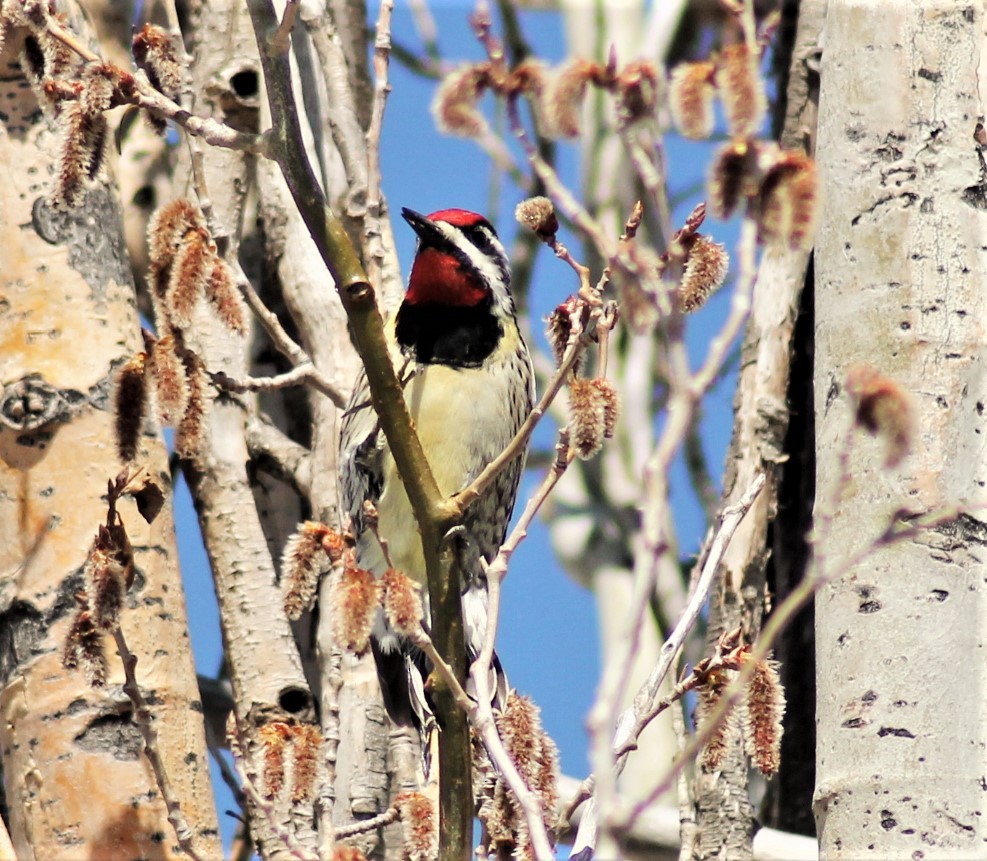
x=632 y=721
x=144 y=721
x=281 y=40
x=290 y=459
x=760 y=650
x=372 y=824
x=147 y=97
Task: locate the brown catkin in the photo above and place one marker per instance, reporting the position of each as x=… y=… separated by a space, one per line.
x=221 y=291
x=564 y=98
x=171 y=386
x=192 y=428
x=731 y=177
x=716 y=747
x=741 y=89
x=306 y=750
x=302 y=564
x=538 y=215
x=190 y=270
x=884 y=409
x=419 y=826
x=690 y=99
x=402 y=602
x=764 y=708
x=587 y=417
x=637 y=91
x=788 y=202
x=154 y=52
x=130 y=405
x=84 y=649
x=353 y=604
x=274 y=742
x=705 y=271
x=455 y=106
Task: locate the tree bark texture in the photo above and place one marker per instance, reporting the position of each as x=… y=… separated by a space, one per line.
x=264 y=664
x=76 y=779
x=788 y=801
x=901 y=258
x=761 y=420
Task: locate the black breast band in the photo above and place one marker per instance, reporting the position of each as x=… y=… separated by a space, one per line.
x=448 y=335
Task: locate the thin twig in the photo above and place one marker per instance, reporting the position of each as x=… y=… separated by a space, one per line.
x=698 y=468
x=580 y=340
x=760 y=650
x=372 y=824
x=443 y=668
x=326 y=794
x=481 y=716
x=687 y=807
x=284 y=343
x=281 y=40
x=560 y=194
x=146 y=96
x=685 y=392
x=483 y=723
x=373 y=245
x=633 y=720
x=144 y=721
x=643 y=157
x=425 y=25
x=740 y=307
x=641 y=709
x=300 y=375
x=496 y=570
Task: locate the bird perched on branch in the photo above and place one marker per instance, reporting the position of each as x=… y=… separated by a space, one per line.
x=468 y=383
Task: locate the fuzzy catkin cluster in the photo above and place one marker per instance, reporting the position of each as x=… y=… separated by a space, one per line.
x=779 y=188
x=535 y=756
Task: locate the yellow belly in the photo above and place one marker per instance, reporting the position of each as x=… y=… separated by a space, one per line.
x=464 y=419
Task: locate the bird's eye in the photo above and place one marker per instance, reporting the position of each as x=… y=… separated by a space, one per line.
x=479 y=237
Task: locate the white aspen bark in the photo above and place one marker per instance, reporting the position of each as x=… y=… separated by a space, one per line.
x=264 y=664
x=901 y=258
x=76 y=780
x=330 y=94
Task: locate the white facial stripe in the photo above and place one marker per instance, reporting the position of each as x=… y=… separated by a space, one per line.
x=492 y=266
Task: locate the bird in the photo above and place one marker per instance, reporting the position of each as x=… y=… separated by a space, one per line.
x=469 y=385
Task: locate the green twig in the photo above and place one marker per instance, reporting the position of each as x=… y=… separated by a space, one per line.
x=435 y=517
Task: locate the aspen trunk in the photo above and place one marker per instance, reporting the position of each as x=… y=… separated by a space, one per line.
x=76 y=778
x=900 y=262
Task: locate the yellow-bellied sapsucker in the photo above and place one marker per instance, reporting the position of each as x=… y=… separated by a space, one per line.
x=469 y=386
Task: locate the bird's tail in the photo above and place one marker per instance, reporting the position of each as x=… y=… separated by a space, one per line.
x=403 y=670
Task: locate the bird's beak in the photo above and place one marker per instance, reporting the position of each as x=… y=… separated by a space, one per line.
x=427 y=232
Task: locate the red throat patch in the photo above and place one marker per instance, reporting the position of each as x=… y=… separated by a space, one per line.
x=437 y=277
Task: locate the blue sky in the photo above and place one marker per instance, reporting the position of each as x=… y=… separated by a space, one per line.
x=548 y=640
